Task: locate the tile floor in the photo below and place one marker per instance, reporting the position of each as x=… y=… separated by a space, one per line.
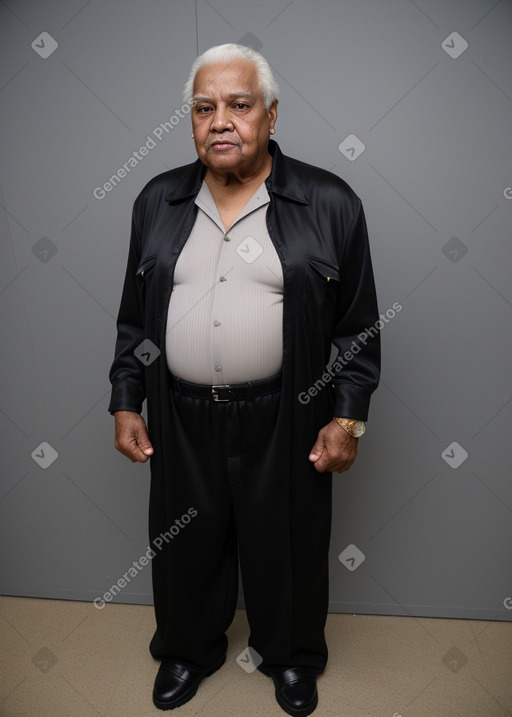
x=68 y=659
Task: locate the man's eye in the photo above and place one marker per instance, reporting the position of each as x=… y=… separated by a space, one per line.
x=203 y=109
x=241 y=105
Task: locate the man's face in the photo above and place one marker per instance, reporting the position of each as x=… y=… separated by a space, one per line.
x=230 y=123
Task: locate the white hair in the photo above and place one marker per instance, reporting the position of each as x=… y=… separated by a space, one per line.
x=227 y=53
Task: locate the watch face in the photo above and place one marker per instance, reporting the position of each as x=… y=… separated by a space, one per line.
x=359 y=429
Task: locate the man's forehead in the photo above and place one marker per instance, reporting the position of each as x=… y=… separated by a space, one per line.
x=236 y=77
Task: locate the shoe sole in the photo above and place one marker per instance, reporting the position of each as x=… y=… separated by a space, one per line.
x=188 y=696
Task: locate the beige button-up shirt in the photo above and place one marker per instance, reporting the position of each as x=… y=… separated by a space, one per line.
x=225 y=313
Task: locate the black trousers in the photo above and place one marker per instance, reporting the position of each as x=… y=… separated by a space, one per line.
x=230 y=495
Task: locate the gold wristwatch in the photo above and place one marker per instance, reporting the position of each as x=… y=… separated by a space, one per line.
x=351 y=426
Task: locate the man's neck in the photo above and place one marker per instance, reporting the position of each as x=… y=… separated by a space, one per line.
x=236 y=182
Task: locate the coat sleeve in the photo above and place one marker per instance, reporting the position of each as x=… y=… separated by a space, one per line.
x=127 y=372
x=356 y=332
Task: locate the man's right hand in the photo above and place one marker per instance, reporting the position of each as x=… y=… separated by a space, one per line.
x=132 y=436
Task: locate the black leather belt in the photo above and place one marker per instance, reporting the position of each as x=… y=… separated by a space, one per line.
x=226 y=391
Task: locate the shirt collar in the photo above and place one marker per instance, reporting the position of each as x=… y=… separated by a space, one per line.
x=206 y=203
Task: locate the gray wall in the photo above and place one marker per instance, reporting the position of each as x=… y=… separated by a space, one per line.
x=435 y=177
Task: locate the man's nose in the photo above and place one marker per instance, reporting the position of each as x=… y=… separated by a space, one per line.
x=221 y=120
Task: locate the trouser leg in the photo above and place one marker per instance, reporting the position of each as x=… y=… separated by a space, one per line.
x=195 y=575
x=283 y=521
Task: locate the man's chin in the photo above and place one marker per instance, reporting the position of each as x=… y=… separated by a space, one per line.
x=224 y=161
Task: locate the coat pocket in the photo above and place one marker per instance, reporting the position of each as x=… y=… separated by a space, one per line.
x=146 y=266
x=142 y=277
x=321 y=288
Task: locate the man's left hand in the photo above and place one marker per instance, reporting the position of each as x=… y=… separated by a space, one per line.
x=335 y=450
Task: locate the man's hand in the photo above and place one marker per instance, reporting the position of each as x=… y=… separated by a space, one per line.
x=132 y=436
x=335 y=450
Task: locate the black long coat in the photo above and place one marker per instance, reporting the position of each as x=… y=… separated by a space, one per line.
x=317 y=226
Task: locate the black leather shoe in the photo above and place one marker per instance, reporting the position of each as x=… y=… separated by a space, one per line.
x=177 y=682
x=296 y=690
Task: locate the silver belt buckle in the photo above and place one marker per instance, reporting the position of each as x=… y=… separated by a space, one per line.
x=216 y=395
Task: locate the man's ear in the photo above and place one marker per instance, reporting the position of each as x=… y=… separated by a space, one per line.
x=272 y=113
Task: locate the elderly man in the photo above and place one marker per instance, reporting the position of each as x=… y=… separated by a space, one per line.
x=244 y=268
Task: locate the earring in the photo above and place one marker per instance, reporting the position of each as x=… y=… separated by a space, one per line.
x=192 y=136
x=272 y=131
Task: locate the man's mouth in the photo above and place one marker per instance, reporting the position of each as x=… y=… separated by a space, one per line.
x=222 y=144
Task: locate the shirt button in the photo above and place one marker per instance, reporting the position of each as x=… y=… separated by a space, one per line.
x=216 y=323
x=218 y=368
x=227 y=238
x=223 y=278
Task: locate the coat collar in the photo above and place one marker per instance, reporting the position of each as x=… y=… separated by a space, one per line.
x=281 y=180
